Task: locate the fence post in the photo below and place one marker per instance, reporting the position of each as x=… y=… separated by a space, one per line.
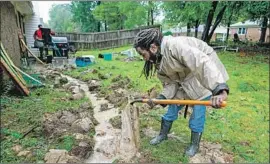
x=118 y=38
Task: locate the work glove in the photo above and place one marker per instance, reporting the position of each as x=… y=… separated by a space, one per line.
x=218 y=99
x=152 y=104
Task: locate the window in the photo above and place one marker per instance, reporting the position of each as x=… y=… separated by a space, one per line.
x=241 y=31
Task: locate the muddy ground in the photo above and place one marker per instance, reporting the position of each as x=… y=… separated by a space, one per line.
x=104 y=120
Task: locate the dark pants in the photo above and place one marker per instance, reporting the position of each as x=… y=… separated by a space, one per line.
x=41 y=52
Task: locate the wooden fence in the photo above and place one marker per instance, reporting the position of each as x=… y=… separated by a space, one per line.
x=103 y=40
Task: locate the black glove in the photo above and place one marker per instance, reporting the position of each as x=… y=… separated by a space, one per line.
x=152 y=104
x=220 y=94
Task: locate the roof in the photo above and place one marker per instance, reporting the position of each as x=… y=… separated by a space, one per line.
x=219 y=29
x=24 y=7
x=247 y=23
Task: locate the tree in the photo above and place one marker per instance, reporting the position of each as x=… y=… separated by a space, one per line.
x=232 y=14
x=109 y=13
x=83 y=15
x=120 y=15
x=259 y=10
x=61 y=18
x=208 y=23
x=186 y=13
x=152 y=9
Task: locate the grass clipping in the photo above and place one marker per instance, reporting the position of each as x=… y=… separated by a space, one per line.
x=130 y=135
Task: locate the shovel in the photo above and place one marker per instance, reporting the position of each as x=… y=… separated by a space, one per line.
x=178 y=102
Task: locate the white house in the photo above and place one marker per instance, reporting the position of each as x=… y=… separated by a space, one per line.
x=31 y=25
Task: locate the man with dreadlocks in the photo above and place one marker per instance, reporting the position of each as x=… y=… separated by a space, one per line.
x=188 y=69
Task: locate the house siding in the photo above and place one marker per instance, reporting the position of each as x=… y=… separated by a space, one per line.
x=252 y=34
x=9 y=31
x=31 y=25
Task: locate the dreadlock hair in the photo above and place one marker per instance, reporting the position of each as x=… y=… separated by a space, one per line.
x=144 y=39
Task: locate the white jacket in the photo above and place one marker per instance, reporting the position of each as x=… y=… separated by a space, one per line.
x=189 y=69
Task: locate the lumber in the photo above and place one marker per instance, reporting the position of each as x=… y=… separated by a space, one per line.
x=31 y=52
x=22 y=87
x=9 y=62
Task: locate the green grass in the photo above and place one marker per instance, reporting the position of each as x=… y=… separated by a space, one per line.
x=115 y=68
x=242 y=128
x=19 y=114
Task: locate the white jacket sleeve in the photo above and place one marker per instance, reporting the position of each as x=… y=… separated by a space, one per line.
x=200 y=65
x=169 y=87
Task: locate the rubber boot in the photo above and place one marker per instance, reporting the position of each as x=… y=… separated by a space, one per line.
x=194 y=145
x=164 y=130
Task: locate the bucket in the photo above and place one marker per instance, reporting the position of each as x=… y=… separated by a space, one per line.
x=83 y=61
x=107 y=56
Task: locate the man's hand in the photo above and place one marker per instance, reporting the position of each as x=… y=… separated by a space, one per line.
x=151 y=103
x=218 y=99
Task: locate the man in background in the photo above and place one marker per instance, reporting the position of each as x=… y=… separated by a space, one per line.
x=39 y=40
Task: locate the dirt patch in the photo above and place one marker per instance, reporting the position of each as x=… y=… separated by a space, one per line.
x=75 y=120
x=94 y=85
x=60 y=156
x=208 y=153
x=104 y=107
x=83 y=149
x=211 y=153
x=118 y=98
x=116 y=122
x=120 y=82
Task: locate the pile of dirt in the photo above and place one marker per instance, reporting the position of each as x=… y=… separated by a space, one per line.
x=94 y=85
x=116 y=122
x=118 y=98
x=76 y=122
x=79 y=120
x=120 y=82
x=104 y=107
x=211 y=153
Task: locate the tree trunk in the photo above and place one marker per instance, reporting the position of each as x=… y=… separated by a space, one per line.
x=99 y=23
x=197 y=23
x=152 y=16
x=217 y=21
x=209 y=20
x=106 y=29
x=263 y=29
x=148 y=18
x=228 y=31
x=229 y=21
x=188 y=29
x=269 y=29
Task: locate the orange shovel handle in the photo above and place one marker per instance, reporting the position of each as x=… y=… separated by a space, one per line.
x=183 y=102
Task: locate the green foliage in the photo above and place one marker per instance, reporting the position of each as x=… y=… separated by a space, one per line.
x=124 y=15
x=83 y=15
x=185 y=12
x=61 y=18
x=66 y=143
x=257 y=9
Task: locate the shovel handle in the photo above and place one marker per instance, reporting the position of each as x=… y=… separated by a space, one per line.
x=183 y=102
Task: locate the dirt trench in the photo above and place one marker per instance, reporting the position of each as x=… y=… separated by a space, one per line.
x=110 y=143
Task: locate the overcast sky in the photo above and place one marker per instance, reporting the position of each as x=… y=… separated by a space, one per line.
x=44 y=7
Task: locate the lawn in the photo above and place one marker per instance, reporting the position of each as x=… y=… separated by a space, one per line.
x=242 y=128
